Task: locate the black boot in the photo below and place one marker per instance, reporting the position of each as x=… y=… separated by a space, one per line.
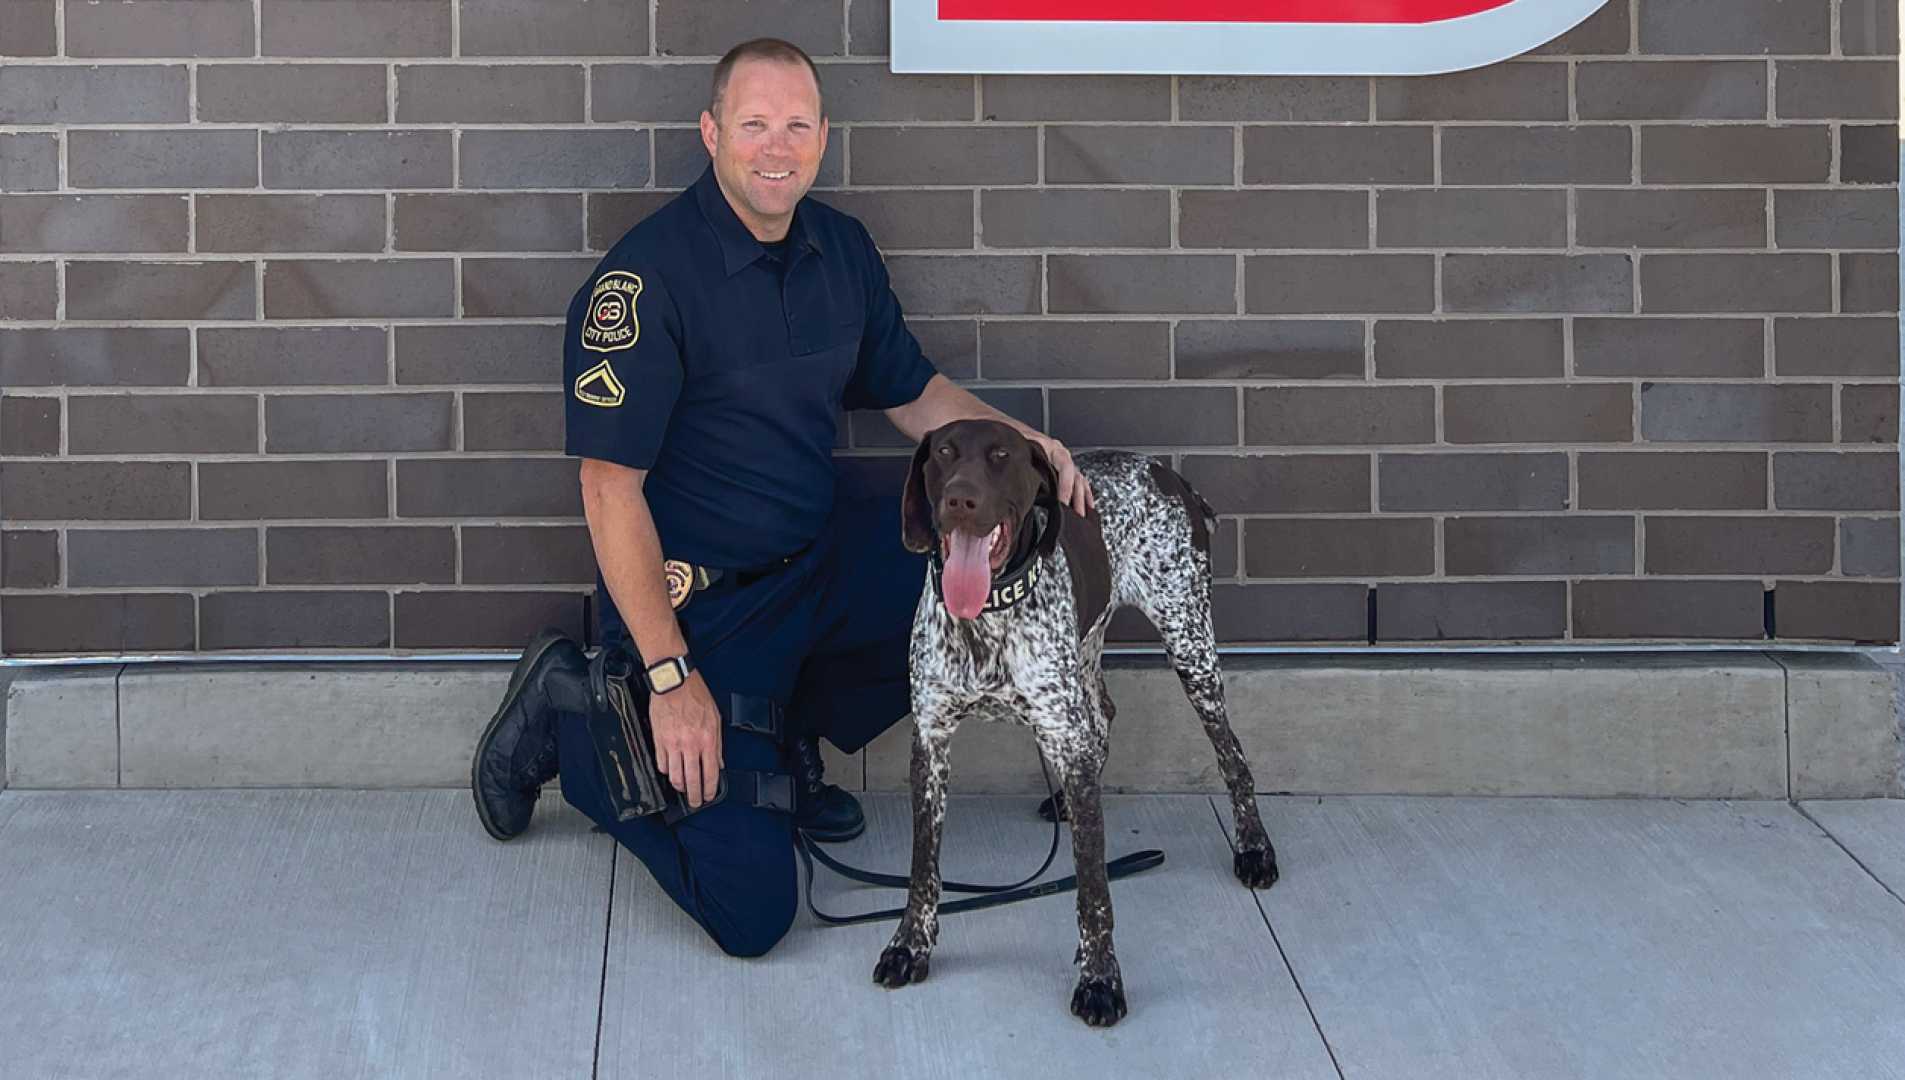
x=517 y=753
x=823 y=811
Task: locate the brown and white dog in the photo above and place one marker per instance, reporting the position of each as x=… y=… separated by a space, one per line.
x=1012 y=620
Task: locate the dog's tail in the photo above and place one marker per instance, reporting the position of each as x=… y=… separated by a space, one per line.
x=1200 y=512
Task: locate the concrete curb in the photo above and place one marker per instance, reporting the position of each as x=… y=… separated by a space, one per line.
x=1689 y=725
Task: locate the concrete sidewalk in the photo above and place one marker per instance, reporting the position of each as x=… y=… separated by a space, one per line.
x=336 y=934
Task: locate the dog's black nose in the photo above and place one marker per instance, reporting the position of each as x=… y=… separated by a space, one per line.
x=961 y=503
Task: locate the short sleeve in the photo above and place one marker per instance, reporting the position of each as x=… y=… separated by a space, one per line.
x=891 y=370
x=622 y=368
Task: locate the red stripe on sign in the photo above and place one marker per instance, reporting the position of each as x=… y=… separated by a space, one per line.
x=1251 y=11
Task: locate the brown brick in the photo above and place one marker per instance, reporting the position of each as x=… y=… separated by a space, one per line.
x=488 y=620
x=1473 y=482
x=162 y=424
x=612 y=213
x=1842 y=218
x=1837 y=89
x=952 y=345
x=162 y=159
x=687 y=28
x=1020 y=218
x=1281 y=483
x=486 y=353
x=1455 y=218
x=1836 y=346
x=1735 y=154
x=178 y=557
x=1553 y=413
x=68 y=224
x=1728 y=283
x=489 y=222
x=528 y=555
x=1476 y=611
x=1272 y=613
x=1225 y=548
x=249 y=490
x=513 y=421
x=292 y=356
x=1272 y=98
x=1750 y=27
x=1072 y=97
x=1868 y=283
x=554 y=159
x=29 y=290
x=664 y=93
x=1868 y=154
x=1338 y=155
x=903 y=220
x=1507 y=155
x=359 y=288
x=1273 y=219
x=560 y=28
x=1269 y=349
x=1673 y=481
x=1739 y=545
x=1655 y=218
x=1682 y=90
x=1338 y=415
x=85 y=356
x=1868 y=27
x=942 y=156
x=1721 y=412
x=859 y=93
x=1868 y=547
x=96 y=490
x=248 y=223
x=169 y=290
x=294 y=619
x=514 y=288
x=108 y=94
x=110 y=623
x=160 y=28
x=1339 y=547
x=1133 y=154
x=1177 y=416
x=1670 y=348
x=29 y=426
x=489 y=94
x=1538 y=545
x=1508 y=91
x=1868 y=414
x=360 y=555
x=869 y=28
x=966 y=284
x=293 y=93
x=1669 y=609
x=1076 y=350
x=31 y=559
x=489 y=487
x=1468 y=348
x=1538 y=283
x=30 y=28
x=29 y=161
x=358 y=423
x=1836 y=610
x=1141 y=284
x=1338 y=284
x=1855 y=481
x=356 y=27
x=357 y=159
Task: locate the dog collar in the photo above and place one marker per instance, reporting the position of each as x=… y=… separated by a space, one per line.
x=1011 y=585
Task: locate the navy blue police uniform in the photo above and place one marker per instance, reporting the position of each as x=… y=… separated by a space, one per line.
x=720 y=365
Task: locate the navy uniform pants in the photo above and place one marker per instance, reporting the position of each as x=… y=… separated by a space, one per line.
x=826 y=637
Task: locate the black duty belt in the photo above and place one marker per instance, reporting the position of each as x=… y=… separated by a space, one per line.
x=684 y=579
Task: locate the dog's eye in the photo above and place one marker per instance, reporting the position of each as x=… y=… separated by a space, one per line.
x=1000 y=453
x=945 y=450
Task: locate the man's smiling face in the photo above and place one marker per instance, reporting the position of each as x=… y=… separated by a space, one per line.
x=767 y=142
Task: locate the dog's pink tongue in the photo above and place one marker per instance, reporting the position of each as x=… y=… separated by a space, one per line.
x=968 y=575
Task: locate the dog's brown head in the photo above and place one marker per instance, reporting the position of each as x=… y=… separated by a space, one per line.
x=970 y=494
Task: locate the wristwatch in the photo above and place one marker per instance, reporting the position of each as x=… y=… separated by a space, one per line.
x=668 y=674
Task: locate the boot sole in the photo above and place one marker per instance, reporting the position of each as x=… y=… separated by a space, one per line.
x=532 y=654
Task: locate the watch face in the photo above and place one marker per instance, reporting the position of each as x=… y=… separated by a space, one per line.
x=665 y=676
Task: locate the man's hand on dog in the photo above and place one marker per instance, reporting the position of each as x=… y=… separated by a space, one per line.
x=687 y=729
x=1073 y=489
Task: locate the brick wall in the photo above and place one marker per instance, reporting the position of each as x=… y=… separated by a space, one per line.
x=1597 y=344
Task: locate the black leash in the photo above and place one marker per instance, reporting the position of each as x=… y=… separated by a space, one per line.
x=991 y=895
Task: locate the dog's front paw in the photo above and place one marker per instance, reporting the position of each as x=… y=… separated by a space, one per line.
x=1099 y=1000
x=1257 y=868
x=1054 y=809
x=899 y=966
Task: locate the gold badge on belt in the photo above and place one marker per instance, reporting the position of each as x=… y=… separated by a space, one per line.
x=683 y=579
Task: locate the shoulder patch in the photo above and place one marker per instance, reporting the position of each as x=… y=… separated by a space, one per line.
x=611 y=324
x=599 y=386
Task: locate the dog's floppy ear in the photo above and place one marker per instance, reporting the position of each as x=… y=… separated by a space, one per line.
x=1047 y=497
x=916 y=512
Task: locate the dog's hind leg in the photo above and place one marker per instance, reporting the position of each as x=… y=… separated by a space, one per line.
x=908 y=955
x=1073 y=739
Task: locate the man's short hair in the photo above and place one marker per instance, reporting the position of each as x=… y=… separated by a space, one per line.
x=785 y=52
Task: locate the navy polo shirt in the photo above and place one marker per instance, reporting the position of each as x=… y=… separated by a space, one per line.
x=694 y=353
